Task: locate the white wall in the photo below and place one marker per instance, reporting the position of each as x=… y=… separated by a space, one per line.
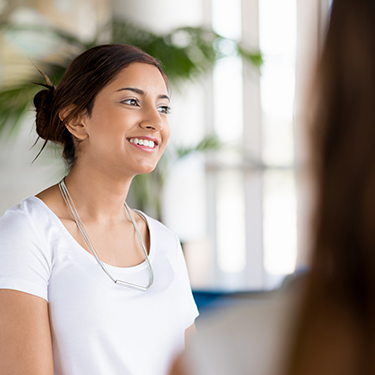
x=19 y=178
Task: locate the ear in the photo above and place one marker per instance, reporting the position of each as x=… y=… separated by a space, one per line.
x=76 y=126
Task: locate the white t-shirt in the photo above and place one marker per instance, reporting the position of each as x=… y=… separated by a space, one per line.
x=98 y=327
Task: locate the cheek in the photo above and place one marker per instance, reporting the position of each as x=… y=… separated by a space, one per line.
x=166 y=133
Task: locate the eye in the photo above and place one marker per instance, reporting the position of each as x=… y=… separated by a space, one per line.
x=131 y=102
x=164 y=109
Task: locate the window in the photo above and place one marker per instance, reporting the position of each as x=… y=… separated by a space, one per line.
x=250 y=184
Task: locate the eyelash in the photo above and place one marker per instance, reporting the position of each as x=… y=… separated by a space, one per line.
x=130 y=100
x=165 y=109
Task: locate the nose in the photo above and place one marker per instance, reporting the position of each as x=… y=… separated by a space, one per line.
x=152 y=120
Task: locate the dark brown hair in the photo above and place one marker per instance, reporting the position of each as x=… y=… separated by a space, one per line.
x=335 y=331
x=85 y=77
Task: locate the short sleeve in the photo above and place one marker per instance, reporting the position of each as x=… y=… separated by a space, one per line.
x=25 y=264
x=191 y=310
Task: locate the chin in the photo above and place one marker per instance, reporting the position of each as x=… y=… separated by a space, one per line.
x=146 y=169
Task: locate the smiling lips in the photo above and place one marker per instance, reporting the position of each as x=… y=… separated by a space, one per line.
x=144 y=144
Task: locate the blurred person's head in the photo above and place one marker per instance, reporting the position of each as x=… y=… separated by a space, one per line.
x=86 y=76
x=335 y=333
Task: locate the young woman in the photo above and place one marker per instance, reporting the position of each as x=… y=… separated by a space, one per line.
x=87 y=285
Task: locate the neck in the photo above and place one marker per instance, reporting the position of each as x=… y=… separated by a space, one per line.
x=97 y=196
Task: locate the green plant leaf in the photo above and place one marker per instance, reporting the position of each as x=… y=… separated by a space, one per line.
x=255 y=58
x=208 y=143
x=14 y=102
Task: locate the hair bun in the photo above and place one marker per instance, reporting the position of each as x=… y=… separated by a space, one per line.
x=43 y=102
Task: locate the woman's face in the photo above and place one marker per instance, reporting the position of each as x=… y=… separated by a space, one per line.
x=128 y=129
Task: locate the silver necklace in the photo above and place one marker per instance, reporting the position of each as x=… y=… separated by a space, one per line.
x=69 y=202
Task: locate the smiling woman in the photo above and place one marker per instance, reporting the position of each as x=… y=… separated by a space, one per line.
x=132 y=106
x=87 y=285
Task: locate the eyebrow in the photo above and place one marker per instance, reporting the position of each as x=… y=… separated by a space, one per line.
x=141 y=92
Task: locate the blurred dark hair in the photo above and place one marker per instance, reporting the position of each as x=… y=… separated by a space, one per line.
x=335 y=332
x=85 y=77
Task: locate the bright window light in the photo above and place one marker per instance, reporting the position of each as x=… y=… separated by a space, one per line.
x=230 y=222
x=278 y=44
x=228 y=118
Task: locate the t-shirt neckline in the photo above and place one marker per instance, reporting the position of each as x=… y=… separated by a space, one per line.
x=67 y=234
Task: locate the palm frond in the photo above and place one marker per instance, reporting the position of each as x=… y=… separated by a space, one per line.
x=255 y=57
x=53 y=32
x=208 y=143
x=14 y=102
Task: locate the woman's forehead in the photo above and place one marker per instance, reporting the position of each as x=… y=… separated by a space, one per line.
x=140 y=75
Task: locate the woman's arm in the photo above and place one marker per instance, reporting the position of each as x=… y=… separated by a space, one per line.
x=25 y=336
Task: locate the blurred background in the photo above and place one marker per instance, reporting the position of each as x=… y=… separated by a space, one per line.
x=234 y=183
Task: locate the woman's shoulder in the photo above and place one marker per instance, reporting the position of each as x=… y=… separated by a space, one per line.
x=25 y=257
x=163 y=239
x=157 y=228
x=27 y=209
x=23 y=217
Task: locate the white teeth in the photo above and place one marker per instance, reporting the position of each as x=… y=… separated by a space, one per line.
x=142 y=142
